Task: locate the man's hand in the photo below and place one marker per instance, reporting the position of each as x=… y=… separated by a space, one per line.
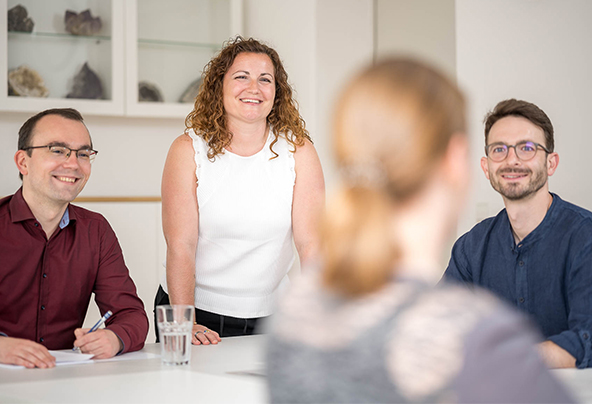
x=102 y=343
x=555 y=356
x=203 y=336
x=17 y=351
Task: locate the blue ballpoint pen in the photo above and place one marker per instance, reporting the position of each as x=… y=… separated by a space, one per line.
x=97 y=325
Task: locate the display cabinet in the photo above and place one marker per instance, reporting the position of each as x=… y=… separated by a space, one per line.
x=170 y=42
x=50 y=67
x=146 y=54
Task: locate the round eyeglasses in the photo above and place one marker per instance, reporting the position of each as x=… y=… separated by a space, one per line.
x=84 y=155
x=524 y=150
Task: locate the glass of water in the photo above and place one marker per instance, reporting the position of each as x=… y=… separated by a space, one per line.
x=175 y=323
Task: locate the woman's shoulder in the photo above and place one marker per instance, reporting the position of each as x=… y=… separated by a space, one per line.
x=181 y=145
x=190 y=141
x=303 y=155
x=306 y=149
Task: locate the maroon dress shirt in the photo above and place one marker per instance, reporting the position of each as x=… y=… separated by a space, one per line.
x=46 y=285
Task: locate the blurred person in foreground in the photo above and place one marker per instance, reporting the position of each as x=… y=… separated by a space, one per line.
x=239 y=188
x=369 y=325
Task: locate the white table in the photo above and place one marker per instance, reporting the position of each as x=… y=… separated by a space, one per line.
x=578 y=381
x=216 y=375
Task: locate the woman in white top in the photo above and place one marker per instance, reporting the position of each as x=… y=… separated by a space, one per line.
x=239 y=187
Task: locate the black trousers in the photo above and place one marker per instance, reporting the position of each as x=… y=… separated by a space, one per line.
x=225 y=326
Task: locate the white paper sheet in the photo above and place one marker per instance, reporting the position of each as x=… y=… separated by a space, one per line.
x=63 y=357
x=130 y=356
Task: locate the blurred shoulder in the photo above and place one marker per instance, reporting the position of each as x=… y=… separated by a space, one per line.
x=433 y=330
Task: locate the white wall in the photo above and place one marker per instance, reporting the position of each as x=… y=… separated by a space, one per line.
x=344 y=44
x=419 y=28
x=538 y=51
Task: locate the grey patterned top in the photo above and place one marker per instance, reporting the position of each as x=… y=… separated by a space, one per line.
x=406 y=343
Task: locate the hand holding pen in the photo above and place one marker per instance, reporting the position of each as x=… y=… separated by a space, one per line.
x=96 y=326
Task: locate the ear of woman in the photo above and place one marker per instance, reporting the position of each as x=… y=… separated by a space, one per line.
x=455 y=162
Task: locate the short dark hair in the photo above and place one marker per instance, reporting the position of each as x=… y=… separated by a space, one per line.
x=524 y=109
x=25 y=133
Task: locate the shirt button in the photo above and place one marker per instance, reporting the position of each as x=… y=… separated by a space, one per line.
x=521 y=300
x=586 y=336
x=521 y=263
x=36 y=224
x=41 y=339
x=45 y=275
x=42 y=307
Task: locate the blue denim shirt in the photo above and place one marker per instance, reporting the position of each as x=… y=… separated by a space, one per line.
x=547 y=275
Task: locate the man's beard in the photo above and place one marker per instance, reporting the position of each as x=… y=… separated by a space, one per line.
x=516 y=191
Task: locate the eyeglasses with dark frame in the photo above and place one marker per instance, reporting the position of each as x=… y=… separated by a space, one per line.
x=525 y=150
x=63 y=152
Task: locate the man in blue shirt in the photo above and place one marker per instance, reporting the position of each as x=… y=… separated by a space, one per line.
x=537 y=252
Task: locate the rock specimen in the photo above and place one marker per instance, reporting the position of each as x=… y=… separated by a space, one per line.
x=148 y=92
x=86 y=85
x=18 y=20
x=191 y=92
x=82 y=24
x=26 y=82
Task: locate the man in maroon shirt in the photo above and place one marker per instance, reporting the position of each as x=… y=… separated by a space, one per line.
x=54 y=255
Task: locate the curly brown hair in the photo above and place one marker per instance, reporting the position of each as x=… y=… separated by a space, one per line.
x=208 y=118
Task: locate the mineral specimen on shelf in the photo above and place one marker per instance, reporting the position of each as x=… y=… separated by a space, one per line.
x=26 y=82
x=191 y=92
x=148 y=92
x=83 y=23
x=86 y=85
x=18 y=20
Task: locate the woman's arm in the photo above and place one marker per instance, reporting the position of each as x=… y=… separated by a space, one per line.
x=180 y=215
x=180 y=220
x=308 y=201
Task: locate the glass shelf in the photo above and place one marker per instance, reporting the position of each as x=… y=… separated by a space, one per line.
x=58 y=58
x=169 y=43
x=56 y=35
x=156 y=42
x=165 y=44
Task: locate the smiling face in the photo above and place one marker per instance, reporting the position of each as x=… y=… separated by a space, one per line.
x=48 y=179
x=249 y=88
x=513 y=178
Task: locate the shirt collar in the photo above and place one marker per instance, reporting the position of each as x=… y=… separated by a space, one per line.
x=65 y=219
x=20 y=211
x=543 y=227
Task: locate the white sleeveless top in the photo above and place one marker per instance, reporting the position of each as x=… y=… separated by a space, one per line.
x=244 y=249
